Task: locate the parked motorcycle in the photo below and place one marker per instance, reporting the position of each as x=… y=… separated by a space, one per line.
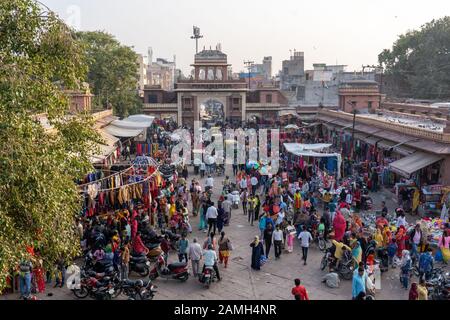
x=177 y=271
x=140 y=265
x=138 y=289
x=97 y=286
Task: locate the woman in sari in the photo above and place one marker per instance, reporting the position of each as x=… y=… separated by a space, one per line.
x=415 y=201
x=387 y=236
x=378 y=237
x=257 y=252
x=356 y=252
x=444 y=243
x=400 y=238
x=339 y=225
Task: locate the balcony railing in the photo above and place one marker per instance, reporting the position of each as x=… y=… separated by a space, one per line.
x=401 y=128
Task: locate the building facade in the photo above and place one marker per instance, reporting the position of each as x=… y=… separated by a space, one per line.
x=212 y=96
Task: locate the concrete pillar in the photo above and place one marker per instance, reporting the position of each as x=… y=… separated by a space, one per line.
x=179 y=111
x=244 y=106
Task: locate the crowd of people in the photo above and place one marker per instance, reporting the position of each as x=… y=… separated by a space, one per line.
x=296 y=206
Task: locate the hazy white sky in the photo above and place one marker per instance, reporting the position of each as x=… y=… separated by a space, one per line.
x=350 y=32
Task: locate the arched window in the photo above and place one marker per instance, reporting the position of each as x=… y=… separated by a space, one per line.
x=210 y=74
x=219 y=74
x=201 y=74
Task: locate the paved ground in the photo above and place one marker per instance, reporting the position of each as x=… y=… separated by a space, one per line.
x=275 y=279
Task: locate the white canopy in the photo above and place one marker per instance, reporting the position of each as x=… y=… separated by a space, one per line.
x=123 y=132
x=132 y=124
x=140 y=118
x=292 y=126
x=307 y=150
x=295 y=147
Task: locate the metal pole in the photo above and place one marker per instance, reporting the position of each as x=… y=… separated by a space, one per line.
x=353 y=133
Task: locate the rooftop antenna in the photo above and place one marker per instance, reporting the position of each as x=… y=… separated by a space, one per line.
x=196 y=36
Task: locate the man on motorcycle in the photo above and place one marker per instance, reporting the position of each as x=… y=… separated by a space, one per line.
x=339 y=249
x=210 y=258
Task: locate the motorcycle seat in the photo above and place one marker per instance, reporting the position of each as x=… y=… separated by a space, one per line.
x=142 y=259
x=177 y=265
x=153 y=246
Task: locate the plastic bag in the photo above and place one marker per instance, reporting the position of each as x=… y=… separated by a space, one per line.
x=438 y=256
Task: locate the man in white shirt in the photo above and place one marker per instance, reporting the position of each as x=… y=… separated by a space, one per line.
x=243 y=184
x=211 y=217
x=210 y=258
x=209 y=183
x=305 y=238
x=254 y=182
x=277 y=241
x=195 y=254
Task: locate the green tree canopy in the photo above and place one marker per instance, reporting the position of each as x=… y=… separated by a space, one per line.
x=112 y=72
x=38 y=196
x=419 y=61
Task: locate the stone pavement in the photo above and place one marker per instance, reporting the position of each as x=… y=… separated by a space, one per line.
x=275 y=279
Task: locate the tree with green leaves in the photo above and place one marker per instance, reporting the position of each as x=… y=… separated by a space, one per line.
x=39 y=199
x=419 y=62
x=112 y=72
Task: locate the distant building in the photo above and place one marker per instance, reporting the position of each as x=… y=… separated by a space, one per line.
x=361 y=95
x=161 y=72
x=292 y=74
x=260 y=74
x=142 y=72
x=80 y=100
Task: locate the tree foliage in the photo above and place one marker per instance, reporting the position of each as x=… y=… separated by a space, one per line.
x=112 y=72
x=419 y=60
x=38 y=196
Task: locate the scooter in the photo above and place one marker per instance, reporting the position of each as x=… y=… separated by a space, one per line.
x=208 y=276
x=235 y=199
x=177 y=271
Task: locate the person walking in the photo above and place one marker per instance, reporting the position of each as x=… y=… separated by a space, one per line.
x=277 y=241
x=268 y=235
x=251 y=210
x=254 y=183
x=257 y=252
x=195 y=254
x=183 y=247
x=224 y=249
x=405 y=269
x=299 y=292
x=257 y=205
x=221 y=217
x=227 y=206
x=211 y=217
x=25 y=268
x=305 y=237
x=244 y=200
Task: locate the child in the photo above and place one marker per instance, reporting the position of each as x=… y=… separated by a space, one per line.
x=392 y=250
x=183 y=245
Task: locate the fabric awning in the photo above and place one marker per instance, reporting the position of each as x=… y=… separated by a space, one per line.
x=385 y=144
x=297 y=147
x=126 y=124
x=412 y=163
x=123 y=132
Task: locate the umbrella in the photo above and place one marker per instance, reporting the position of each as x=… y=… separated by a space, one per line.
x=253 y=164
x=292 y=126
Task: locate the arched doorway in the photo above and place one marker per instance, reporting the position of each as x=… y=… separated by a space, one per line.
x=212 y=112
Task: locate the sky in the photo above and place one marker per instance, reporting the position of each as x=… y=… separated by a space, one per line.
x=349 y=32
